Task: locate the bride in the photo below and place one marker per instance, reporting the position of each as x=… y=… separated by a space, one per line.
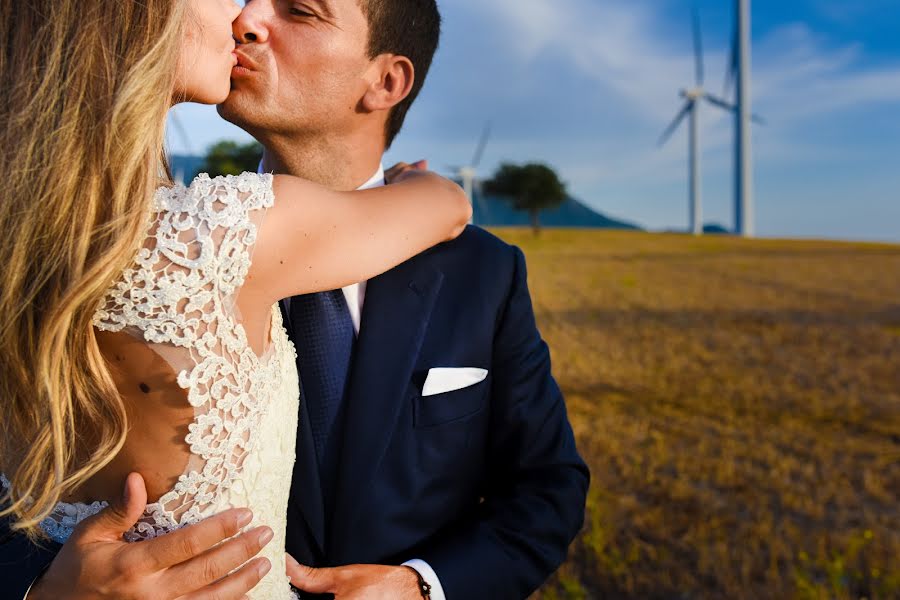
x=140 y=324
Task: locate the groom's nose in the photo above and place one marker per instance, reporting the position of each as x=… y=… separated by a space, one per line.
x=253 y=23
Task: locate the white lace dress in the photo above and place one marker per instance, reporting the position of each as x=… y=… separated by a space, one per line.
x=178 y=298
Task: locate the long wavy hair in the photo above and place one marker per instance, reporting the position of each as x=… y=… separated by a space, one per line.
x=83 y=103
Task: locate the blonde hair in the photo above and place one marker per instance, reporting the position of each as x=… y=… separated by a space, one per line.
x=83 y=103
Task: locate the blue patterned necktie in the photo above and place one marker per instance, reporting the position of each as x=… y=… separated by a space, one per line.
x=325 y=339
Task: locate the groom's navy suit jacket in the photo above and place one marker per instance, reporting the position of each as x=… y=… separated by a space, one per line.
x=484 y=483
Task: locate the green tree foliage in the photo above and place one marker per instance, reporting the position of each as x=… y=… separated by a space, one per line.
x=530 y=188
x=231 y=158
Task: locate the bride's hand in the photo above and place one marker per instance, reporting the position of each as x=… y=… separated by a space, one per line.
x=398 y=171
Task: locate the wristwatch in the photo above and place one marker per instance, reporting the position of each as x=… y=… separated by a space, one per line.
x=424 y=586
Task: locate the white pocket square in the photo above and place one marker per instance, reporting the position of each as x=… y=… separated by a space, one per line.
x=441 y=379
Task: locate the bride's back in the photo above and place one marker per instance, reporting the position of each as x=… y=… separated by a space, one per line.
x=158 y=414
x=178 y=311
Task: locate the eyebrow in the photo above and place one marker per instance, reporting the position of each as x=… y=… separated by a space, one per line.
x=327 y=7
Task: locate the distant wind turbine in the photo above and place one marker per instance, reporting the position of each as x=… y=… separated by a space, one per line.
x=469 y=174
x=694 y=97
x=691 y=109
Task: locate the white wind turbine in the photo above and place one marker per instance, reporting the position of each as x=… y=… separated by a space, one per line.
x=694 y=97
x=469 y=174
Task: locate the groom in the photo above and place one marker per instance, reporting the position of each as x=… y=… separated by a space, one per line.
x=432 y=434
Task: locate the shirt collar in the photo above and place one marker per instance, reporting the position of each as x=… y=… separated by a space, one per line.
x=377 y=180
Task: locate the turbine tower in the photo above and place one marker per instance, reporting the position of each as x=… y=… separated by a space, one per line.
x=743 y=211
x=694 y=97
x=469 y=174
x=739 y=72
x=185 y=140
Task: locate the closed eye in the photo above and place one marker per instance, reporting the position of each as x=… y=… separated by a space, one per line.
x=300 y=13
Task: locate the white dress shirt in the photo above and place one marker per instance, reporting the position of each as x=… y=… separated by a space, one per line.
x=355 y=295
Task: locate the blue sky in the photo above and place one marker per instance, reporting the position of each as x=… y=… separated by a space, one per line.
x=588 y=86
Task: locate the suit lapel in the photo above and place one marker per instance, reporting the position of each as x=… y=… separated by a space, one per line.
x=306 y=487
x=395 y=318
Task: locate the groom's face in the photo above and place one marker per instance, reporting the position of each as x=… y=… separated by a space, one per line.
x=302 y=67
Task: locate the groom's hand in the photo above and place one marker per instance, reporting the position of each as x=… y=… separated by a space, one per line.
x=356 y=582
x=96 y=563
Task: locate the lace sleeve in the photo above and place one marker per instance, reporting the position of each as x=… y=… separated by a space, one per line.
x=236 y=209
x=199 y=245
x=179 y=296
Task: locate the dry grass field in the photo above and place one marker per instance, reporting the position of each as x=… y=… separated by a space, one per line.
x=738 y=403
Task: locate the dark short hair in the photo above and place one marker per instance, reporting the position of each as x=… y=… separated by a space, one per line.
x=410 y=28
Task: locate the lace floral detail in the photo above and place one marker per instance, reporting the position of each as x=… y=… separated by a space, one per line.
x=180 y=291
x=59 y=524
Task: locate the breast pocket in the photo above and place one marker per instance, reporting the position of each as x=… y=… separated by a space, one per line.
x=449 y=429
x=446 y=407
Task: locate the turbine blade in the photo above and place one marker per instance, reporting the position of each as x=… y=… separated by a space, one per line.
x=698 y=49
x=731 y=108
x=720 y=103
x=479 y=151
x=678 y=119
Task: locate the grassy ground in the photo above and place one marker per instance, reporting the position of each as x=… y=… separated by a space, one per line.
x=738 y=403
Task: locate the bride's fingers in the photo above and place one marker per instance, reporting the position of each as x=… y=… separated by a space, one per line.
x=392 y=175
x=236 y=585
x=185 y=543
x=396 y=170
x=213 y=564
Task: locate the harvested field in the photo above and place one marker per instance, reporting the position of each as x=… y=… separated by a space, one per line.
x=738 y=402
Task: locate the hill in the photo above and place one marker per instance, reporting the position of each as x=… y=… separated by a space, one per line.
x=185 y=167
x=491 y=211
x=738 y=403
x=716 y=229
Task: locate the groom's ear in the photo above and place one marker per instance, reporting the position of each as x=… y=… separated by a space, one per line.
x=392 y=78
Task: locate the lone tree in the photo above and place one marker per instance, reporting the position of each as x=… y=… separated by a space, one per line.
x=530 y=188
x=231 y=158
